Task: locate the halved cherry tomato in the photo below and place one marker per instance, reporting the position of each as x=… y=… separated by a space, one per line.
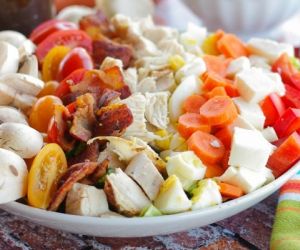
x=42 y=112
x=51 y=62
x=47 y=168
x=49 y=89
x=68 y=38
x=74 y=78
x=77 y=58
x=47 y=28
x=288 y=122
x=272 y=107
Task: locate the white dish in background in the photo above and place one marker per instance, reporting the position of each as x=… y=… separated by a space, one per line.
x=244 y=17
x=138 y=227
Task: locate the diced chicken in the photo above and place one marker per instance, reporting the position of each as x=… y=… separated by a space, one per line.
x=277 y=83
x=187 y=167
x=237 y=65
x=131 y=79
x=148 y=84
x=164 y=80
x=269 y=134
x=157 y=109
x=158 y=33
x=248 y=180
x=113 y=159
x=124 y=194
x=142 y=170
x=269 y=49
x=249 y=149
x=206 y=194
x=159 y=62
x=171 y=197
x=86 y=200
x=171 y=47
x=254 y=85
x=137 y=104
x=251 y=112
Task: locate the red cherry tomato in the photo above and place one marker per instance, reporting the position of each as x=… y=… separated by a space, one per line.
x=77 y=58
x=47 y=28
x=72 y=79
x=68 y=38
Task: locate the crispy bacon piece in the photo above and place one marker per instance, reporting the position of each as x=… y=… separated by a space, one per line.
x=74 y=174
x=113 y=120
x=90 y=153
x=100 y=171
x=96 y=25
x=107 y=96
x=106 y=47
x=83 y=118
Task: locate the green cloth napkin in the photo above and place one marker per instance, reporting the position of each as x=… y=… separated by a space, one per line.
x=286 y=228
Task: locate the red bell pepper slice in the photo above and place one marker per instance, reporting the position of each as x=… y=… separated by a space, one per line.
x=288 y=122
x=292 y=97
x=286 y=155
x=285 y=68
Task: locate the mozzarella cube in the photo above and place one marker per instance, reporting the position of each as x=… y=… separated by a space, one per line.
x=86 y=200
x=269 y=134
x=249 y=149
x=171 y=197
x=250 y=112
x=268 y=174
x=254 y=85
x=142 y=170
x=241 y=122
x=187 y=167
x=269 y=49
x=237 y=65
x=244 y=178
x=195 y=67
x=206 y=194
x=260 y=62
x=277 y=84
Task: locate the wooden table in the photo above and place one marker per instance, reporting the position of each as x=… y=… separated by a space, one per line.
x=250 y=229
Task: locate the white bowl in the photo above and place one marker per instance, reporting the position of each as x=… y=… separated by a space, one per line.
x=243 y=17
x=138 y=227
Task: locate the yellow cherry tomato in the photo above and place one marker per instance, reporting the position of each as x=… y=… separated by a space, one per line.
x=49 y=89
x=47 y=168
x=51 y=62
x=42 y=112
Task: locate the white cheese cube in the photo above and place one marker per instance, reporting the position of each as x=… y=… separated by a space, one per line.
x=171 y=197
x=195 y=67
x=241 y=122
x=249 y=149
x=254 y=85
x=244 y=178
x=268 y=174
x=269 y=134
x=86 y=200
x=269 y=49
x=142 y=170
x=237 y=65
x=260 y=62
x=277 y=84
x=251 y=112
x=191 y=85
x=187 y=167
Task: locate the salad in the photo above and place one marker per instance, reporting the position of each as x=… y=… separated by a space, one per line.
x=122 y=117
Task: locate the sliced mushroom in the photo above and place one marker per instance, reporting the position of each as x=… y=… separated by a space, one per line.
x=13 y=176
x=9 y=58
x=10 y=114
x=13 y=37
x=24 y=102
x=74 y=174
x=21 y=139
x=86 y=200
x=30 y=66
x=124 y=194
x=142 y=170
x=7 y=94
x=26 y=49
x=22 y=83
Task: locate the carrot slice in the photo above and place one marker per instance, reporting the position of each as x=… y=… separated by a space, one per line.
x=225 y=135
x=212 y=80
x=213 y=170
x=193 y=103
x=219 y=110
x=225 y=159
x=207 y=147
x=230 y=191
x=231 y=46
x=190 y=123
x=217 y=91
x=216 y=64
